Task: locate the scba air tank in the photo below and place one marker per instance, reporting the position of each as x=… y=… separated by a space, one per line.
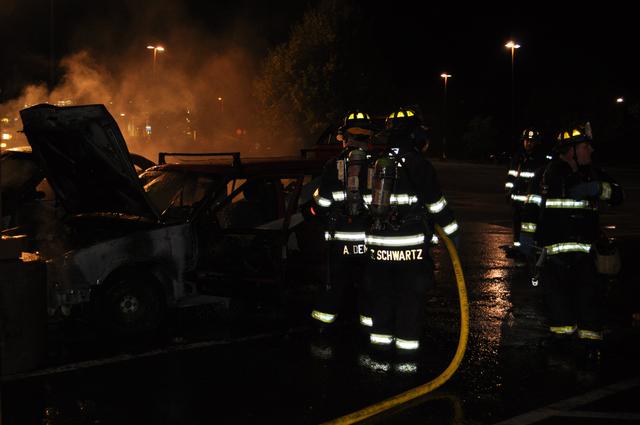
x=356 y=165
x=384 y=178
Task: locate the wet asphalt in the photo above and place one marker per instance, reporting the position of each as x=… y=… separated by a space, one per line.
x=262 y=361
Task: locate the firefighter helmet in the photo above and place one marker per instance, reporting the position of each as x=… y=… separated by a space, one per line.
x=574 y=134
x=404 y=129
x=532 y=135
x=403 y=118
x=357 y=122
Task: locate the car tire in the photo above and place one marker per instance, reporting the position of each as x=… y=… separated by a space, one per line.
x=131 y=305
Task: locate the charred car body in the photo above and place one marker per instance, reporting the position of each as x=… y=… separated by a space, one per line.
x=133 y=246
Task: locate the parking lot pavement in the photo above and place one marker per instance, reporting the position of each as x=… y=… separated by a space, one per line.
x=266 y=368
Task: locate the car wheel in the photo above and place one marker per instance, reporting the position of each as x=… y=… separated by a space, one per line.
x=132 y=305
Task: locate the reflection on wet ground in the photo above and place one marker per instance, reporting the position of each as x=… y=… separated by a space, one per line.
x=281 y=371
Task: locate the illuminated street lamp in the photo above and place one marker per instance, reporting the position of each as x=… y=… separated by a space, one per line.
x=221 y=100
x=446 y=77
x=620 y=100
x=513 y=46
x=155 y=49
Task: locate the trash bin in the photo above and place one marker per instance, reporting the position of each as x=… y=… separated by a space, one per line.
x=23 y=314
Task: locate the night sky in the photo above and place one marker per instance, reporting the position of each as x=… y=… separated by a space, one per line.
x=572 y=64
x=108 y=28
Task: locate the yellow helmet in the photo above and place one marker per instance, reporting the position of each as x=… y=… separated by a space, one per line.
x=575 y=134
x=357 y=122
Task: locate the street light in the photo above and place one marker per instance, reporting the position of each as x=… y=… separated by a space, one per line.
x=513 y=46
x=221 y=100
x=620 y=100
x=446 y=77
x=51 y=45
x=155 y=49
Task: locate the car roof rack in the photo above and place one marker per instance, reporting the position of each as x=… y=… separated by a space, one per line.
x=235 y=156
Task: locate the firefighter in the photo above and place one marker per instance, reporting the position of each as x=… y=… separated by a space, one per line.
x=405 y=198
x=340 y=203
x=522 y=170
x=570 y=196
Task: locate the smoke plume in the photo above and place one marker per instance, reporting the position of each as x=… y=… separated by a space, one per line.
x=193 y=96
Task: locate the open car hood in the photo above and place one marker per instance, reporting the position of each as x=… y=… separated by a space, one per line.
x=86 y=160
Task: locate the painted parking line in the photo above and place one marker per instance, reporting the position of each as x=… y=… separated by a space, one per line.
x=600 y=415
x=564 y=408
x=151 y=353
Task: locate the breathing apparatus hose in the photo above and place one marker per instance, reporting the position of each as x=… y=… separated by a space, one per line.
x=423 y=389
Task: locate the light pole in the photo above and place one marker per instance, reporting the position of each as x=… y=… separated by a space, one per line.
x=221 y=100
x=51 y=45
x=155 y=49
x=446 y=77
x=513 y=46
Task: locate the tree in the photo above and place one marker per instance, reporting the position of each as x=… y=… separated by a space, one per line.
x=307 y=83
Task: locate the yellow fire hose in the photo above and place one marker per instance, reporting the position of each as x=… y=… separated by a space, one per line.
x=423 y=389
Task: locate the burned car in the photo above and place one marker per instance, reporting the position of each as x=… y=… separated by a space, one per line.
x=134 y=246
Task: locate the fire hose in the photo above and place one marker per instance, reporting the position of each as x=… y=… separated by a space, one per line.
x=423 y=389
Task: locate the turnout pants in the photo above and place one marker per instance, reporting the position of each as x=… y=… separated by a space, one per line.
x=343 y=291
x=517 y=222
x=574 y=293
x=398 y=279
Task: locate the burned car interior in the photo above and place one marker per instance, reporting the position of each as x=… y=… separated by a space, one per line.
x=248 y=223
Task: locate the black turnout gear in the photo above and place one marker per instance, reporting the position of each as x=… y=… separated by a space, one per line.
x=399 y=268
x=567 y=229
x=523 y=169
x=340 y=201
